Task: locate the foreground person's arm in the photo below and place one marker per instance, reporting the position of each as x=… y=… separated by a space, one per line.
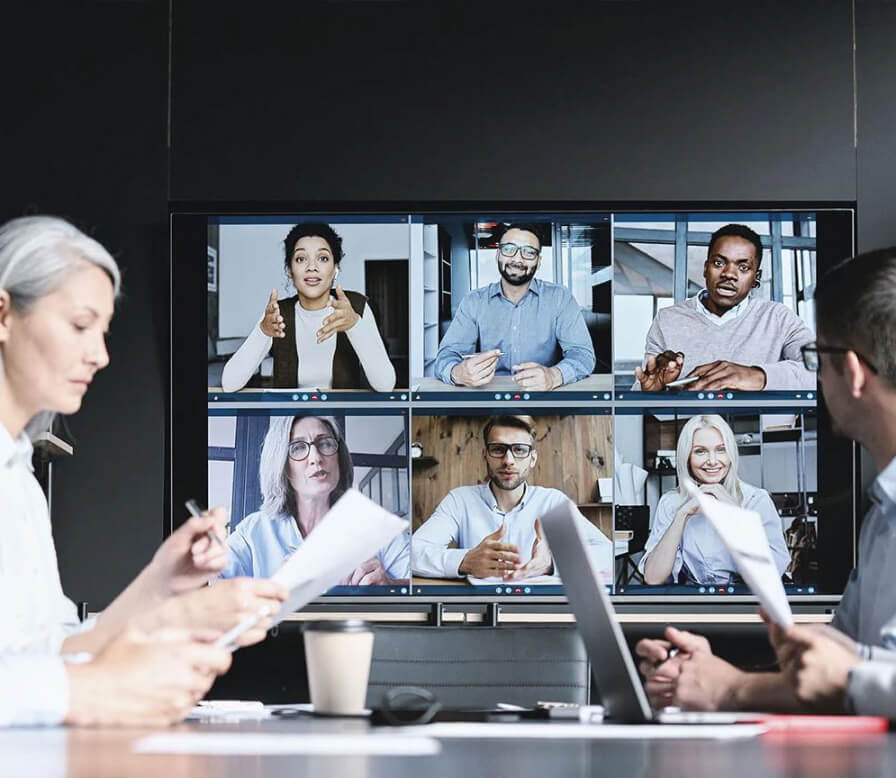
x=138 y=679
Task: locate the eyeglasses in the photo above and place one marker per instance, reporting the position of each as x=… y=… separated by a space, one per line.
x=326 y=445
x=812 y=356
x=499 y=450
x=526 y=252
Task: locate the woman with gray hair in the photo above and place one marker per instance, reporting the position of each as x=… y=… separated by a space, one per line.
x=683 y=547
x=57 y=296
x=305 y=467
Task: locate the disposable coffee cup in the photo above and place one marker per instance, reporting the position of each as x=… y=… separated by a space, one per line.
x=337 y=656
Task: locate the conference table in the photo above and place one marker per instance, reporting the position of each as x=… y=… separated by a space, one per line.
x=55 y=753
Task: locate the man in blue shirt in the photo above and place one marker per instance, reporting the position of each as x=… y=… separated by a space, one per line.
x=521 y=326
x=492 y=530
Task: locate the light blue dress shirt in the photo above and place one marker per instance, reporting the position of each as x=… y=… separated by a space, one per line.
x=546 y=326
x=468 y=513
x=260 y=543
x=867 y=610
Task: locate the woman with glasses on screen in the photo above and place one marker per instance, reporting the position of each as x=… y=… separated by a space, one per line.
x=139 y=662
x=683 y=547
x=305 y=468
x=322 y=337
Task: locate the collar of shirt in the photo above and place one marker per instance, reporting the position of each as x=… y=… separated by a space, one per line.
x=488 y=497
x=495 y=290
x=730 y=314
x=16 y=451
x=883 y=490
x=286 y=528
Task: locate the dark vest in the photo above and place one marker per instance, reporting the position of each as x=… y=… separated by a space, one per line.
x=347 y=372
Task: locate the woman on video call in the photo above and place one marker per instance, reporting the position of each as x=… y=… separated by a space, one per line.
x=321 y=337
x=683 y=547
x=305 y=467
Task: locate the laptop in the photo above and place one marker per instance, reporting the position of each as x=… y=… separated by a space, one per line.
x=621 y=691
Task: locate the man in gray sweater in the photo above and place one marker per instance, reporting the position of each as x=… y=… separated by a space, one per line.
x=723 y=338
x=851 y=664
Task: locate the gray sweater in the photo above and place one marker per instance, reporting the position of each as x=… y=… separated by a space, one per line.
x=767 y=335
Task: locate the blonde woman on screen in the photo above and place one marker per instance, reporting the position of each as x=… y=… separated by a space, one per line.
x=141 y=661
x=682 y=546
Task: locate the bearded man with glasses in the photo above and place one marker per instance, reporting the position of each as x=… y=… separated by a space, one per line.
x=492 y=531
x=521 y=326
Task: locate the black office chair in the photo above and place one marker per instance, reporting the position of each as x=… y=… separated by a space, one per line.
x=635 y=518
x=477 y=667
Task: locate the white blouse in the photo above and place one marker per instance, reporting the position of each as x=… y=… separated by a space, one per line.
x=36 y=615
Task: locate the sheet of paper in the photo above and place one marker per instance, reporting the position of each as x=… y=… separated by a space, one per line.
x=352 y=531
x=555 y=731
x=258 y=743
x=743 y=535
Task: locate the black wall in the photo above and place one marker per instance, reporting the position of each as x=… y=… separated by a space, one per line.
x=403 y=100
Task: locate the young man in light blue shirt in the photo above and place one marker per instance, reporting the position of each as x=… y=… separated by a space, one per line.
x=531 y=329
x=494 y=525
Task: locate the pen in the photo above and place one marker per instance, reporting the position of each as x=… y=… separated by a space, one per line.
x=194 y=510
x=227 y=639
x=469 y=356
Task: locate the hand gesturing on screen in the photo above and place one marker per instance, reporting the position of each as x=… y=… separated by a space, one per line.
x=272 y=324
x=659 y=370
x=541 y=563
x=491 y=558
x=343 y=317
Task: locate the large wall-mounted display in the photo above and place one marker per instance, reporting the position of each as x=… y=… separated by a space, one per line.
x=470 y=367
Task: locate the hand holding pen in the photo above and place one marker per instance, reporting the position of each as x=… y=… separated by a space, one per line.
x=190 y=556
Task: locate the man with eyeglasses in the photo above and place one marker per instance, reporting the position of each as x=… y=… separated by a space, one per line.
x=722 y=338
x=851 y=665
x=521 y=326
x=491 y=531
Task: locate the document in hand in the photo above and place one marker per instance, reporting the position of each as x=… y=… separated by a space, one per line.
x=742 y=533
x=352 y=531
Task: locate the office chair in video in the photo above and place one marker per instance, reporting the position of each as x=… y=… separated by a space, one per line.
x=635 y=519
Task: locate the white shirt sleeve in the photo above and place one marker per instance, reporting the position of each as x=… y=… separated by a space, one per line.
x=34 y=690
x=245 y=360
x=396 y=556
x=871 y=689
x=368 y=345
x=430 y=554
x=600 y=549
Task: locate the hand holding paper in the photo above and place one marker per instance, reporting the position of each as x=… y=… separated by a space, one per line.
x=742 y=533
x=352 y=531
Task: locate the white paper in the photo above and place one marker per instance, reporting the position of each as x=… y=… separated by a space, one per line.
x=351 y=532
x=257 y=743
x=558 y=731
x=743 y=535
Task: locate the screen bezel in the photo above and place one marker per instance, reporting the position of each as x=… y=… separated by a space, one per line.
x=184 y=407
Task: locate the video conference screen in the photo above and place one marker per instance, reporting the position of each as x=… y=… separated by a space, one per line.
x=470 y=369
